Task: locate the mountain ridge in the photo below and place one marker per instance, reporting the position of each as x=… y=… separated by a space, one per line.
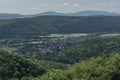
x=53 y=13
x=10 y=15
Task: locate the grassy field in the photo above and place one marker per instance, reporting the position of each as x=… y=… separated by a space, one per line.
x=68 y=35
x=35 y=42
x=59 y=36
x=108 y=35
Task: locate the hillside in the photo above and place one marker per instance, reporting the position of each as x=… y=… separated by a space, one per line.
x=99 y=68
x=91 y=48
x=53 y=24
x=93 y=69
x=14 y=66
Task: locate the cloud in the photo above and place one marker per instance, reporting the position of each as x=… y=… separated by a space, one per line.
x=34 y=9
x=75 y=5
x=71 y=5
x=104 y=4
x=111 y=3
x=101 y=4
x=89 y=8
x=65 y=4
x=45 y=4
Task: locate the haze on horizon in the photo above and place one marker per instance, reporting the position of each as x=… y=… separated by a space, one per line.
x=63 y=6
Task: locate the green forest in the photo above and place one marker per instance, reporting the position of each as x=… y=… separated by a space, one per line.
x=44 y=25
x=90 y=59
x=14 y=67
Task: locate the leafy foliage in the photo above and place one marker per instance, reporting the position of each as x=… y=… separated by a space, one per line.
x=94 y=69
x=14 y=66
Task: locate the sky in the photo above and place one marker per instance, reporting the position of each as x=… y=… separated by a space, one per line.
x=63 y=6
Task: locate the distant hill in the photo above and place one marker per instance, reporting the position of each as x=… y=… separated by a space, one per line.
x=57 y=24
x=53 y=13
x=10 y=16
x=82 y=13
x=50 y=13
x=93 y=13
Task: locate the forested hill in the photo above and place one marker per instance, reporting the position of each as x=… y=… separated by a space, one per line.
x=14 y=66
x=94 y=69
x=58 y=24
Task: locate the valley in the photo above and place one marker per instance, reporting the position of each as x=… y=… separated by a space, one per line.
x=53 y=43
x=59 y=40
x=45 y=47
x=60 y=48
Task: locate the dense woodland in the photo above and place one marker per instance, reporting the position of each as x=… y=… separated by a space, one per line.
x=43 y=25
x=15 y=67
x=99 y=68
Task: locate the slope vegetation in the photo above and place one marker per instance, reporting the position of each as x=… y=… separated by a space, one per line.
x=91 y=48
x=14 y=66
x=58 y=24
x=93 y=69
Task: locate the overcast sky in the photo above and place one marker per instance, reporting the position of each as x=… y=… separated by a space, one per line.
x=64 y=6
